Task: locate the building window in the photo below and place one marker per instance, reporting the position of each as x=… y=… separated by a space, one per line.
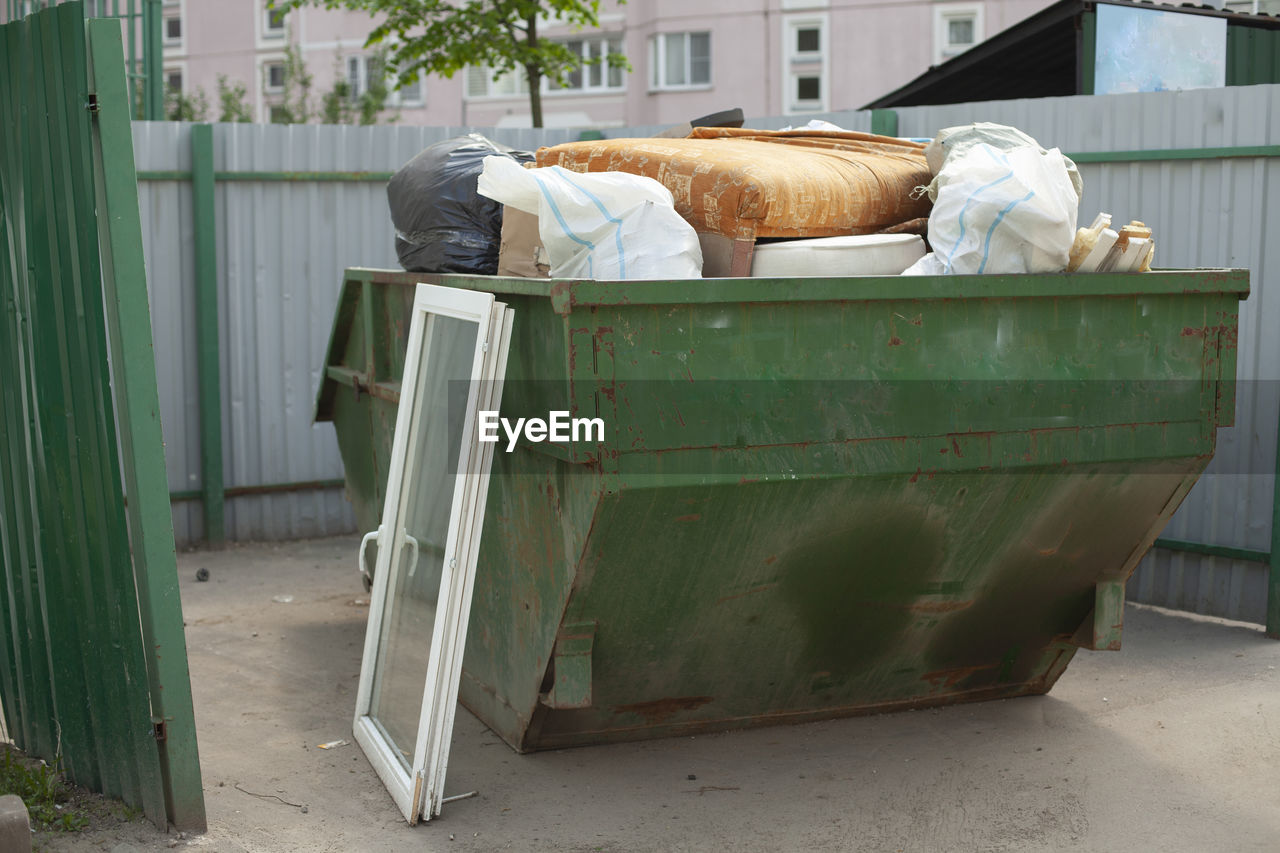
x=956 y=28
x=808 y=88
x=273 y=72
x=273 y=23
x=278 y=114
x=480 y=83
x=173 y=81
x=804 y=72
x=597 y=77
x=410 y=92
x=173 y=30
x=361 y=70
x=808 y=41
x=357 y=76
x=680 y=60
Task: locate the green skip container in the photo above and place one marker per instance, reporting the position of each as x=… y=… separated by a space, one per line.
x=815 y=497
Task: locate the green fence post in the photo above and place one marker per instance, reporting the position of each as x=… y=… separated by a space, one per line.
x=141 y=439
x=884 y=122
x=1273 y=582
x=209 y=367
x=152 y=61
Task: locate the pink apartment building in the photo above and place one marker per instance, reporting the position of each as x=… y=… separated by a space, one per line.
x=688 y=57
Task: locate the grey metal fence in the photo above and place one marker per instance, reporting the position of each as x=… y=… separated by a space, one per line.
x=294 y=205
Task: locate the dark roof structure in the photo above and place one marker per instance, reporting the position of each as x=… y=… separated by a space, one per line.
x=1051 y=54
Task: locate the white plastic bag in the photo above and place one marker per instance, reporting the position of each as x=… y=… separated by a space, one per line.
x=1001 y=212
x=598 y=225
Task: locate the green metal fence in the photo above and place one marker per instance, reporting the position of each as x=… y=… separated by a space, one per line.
x=142 y=21
x=93 y=667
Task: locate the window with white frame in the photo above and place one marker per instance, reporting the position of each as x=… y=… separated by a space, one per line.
x=358 y=68
x=173 y=80
x=679 y=60
x=480 y=83
x=273 y=74
x=596 y=77
x=804 y=74
x=410 y=93
x=172 y=30
x=956 y=28
x=272 y=22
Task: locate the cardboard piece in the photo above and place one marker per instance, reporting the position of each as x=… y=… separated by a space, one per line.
x=520 y=251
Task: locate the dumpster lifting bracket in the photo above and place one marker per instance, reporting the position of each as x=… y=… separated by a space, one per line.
x=571 y=664
x=1102 y=628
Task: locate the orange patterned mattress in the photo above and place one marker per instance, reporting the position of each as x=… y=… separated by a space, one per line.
x=745 y=184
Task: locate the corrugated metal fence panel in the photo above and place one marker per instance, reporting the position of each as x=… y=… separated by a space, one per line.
x=168 y=238
x=1204 y=213
x=68 y=581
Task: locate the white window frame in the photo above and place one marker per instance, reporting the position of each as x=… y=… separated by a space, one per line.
x=178 y=68
x=589 y=43
x=797 y=64
x=658 y=62
x=266 y=39
x=166 y=42
x=418 y=792
x=270 y=33
x=264 y=73
x=943 y=15
x=396 y=98
x=519 y=87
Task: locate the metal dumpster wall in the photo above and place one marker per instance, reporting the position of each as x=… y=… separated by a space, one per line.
x=1206 y=212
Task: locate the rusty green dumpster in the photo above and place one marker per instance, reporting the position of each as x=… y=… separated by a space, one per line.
x=814 y=497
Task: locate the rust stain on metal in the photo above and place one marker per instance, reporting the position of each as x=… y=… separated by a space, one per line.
x=693 y=517
x=895 y=341
x=661 y=710
x=955 y=445
x=752 y=591
x=771 y=559
x=948 y=678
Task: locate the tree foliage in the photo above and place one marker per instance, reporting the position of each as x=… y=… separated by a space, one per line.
x=232 y=101
x=181 y=107
x=342 y=106
x=295 y=96
x=446 y=36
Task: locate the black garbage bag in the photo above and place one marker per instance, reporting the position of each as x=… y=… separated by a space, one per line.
x=442 y=224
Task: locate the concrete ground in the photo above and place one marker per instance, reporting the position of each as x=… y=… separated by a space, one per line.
x=1172 y=744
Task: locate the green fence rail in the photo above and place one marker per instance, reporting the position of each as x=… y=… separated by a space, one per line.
x=93 y=665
